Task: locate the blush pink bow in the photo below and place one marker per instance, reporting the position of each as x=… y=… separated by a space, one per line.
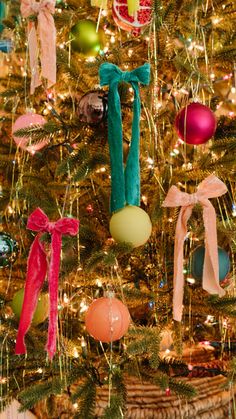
x=211 y=187
x=36 y=272
x=44 y=11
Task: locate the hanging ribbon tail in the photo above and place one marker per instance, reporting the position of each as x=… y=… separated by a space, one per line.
x=36 y=271
x=180 y=234
x=53 y=275
x=33 y=57
x=210 y=281
x=47 y=35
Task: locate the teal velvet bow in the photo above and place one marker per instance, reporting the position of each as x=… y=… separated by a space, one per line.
x=125 y=183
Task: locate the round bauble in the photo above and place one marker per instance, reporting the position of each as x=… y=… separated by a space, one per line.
x=42 y=309
x=107 y=319
x=85 y=38
x=195 y=124
x=27 y=121
x=131 y=224
x=9 y=250
x=132 y=23
x=197 y=262
x=92 y=107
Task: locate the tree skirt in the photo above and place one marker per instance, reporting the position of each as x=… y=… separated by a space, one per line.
x=146 y=401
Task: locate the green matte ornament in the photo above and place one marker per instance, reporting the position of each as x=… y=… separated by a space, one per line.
x=197 y=262
x=8 y=250
x=85 y=38
x=42 y=309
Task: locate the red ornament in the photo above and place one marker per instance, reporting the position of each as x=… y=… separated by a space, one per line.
x=195 y=124
x=107 y=319
x=26 y=121
x=132 y=23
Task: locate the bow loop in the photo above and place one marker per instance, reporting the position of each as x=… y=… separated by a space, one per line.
x=110 y=73
x=38 y=221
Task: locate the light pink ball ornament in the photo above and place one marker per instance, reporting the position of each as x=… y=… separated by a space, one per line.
x=26 y=121
x=107 y=319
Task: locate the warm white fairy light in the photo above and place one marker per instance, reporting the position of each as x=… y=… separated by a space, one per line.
x=191 y=281
x=40 y=370
x=83 y=342
x=75 y=353
x=83 y=306
x=65 y=299
x=113 y=39
x=99 y=282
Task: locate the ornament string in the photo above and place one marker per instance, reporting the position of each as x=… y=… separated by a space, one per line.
x=125 y=184
x=36 y=272
x=211 y=187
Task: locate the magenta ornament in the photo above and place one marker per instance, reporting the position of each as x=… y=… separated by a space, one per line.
x=26 y=121
x=195 y=124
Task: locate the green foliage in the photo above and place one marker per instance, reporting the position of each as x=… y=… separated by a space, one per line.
x=85 y=394
x=146 y=342
x=116 y=407
x=180 y=388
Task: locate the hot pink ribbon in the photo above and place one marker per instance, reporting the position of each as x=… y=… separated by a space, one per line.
x=44 y=10
x=211 y=187
x=36 y=272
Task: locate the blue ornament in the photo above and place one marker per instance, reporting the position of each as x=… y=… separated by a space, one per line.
x=197 y=262
x=6 y=45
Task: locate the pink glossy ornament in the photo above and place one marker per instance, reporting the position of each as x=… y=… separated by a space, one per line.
x=107 y=319
x=195 y=124
x=26 y=121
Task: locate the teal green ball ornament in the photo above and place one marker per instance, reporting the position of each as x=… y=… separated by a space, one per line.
x=8 y=250
x=85 y=38
x=42 y=309
x=197 y=262
x=2 y=14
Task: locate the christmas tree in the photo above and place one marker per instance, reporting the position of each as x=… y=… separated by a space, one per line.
x=117 y=176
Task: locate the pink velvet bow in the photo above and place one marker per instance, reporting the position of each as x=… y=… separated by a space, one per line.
x=44 y=10
x=36 y=272
x=211 y=187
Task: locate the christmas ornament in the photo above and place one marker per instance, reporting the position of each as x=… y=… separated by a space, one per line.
x=92 y=107
x=125 y=184
x=211 y=187
x=197 y=262
x=85 y=38
x=26 y=121
x=41 y=311
x=8 y=250
x=195 y=124
x=37 y=270
x=6 y=45
x=132 y=225
x=132 y=22
x=41 y=33
x=107 y=319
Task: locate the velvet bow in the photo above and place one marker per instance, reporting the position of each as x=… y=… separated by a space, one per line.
x=125 y=184
x=211 y=187
x=36 y=272
x=44 y=11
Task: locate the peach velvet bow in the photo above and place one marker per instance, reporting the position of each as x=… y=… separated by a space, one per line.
x=211 y=187
x=46 y=30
